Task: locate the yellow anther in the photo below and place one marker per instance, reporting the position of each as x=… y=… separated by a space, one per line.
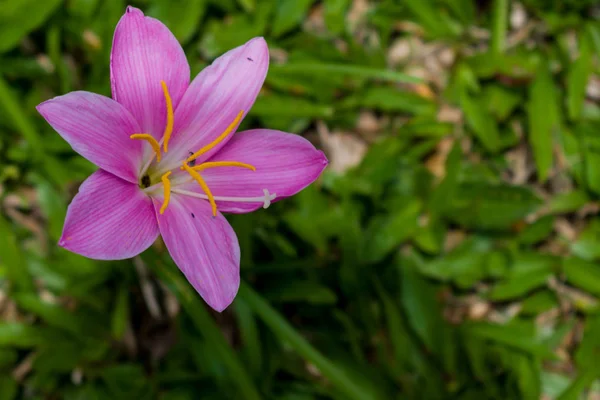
x=204 y=187
x=149 y=139
x=219 y=139
x=167 y=190
x=214 y=164
x=169 y=125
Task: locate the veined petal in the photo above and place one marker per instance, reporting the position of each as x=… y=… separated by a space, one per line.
x=285 y=164
x=109 y=219
x=144 y=52
x=98 y=128
x=204 y=248
x=216 y=97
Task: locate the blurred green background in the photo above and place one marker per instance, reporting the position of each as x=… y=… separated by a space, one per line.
x=450 y=251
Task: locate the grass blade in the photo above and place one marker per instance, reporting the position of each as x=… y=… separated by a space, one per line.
x=350 y=70
x=499 y=25
x=12 y=259
x=287 y=333
x=197 y=311
x=543 y=120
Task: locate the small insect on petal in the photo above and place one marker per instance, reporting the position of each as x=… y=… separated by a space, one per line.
x=192 y=162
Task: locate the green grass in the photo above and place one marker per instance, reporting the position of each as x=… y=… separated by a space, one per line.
x=458 y=260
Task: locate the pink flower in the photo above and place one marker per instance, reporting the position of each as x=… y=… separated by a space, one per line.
x=170 y=161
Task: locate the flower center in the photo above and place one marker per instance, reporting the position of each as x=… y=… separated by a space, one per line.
x=145 y=181
x=189 y=164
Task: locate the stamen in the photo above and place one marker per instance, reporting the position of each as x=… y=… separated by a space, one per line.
x=219 y=139
x=169 y=125
x=204 y=187
x=149 y=139
x=167 y=190
x=214 y=164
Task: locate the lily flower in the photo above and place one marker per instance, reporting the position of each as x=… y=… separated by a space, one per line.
x=170 y=160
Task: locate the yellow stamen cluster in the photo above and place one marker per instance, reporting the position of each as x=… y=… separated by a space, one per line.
x=192 y=170
x=198 y=178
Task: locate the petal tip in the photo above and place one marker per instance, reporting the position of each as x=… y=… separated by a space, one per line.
x=130 y=10
x=220 y=304
x=260 y=40
x=44 y=103
x=222 y=298
x=219 y=308
x=323 y=158
x=43 y=108
x=258 y=44
x=63 y=241
x=40 y=106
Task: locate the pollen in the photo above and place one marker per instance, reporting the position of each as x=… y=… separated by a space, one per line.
x=167 y=191
x=149 y=139
x=170 y=118
x=219 y=139
x=198 y=178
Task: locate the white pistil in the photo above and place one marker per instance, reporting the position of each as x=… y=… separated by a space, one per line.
x=266 y=199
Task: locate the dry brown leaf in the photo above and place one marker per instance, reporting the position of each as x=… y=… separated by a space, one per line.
x=565 y=228
x=344 y=150
x=436 y=163
x=478 y=310
x=92 y=39
x=368 y=123
x=315 y=21
x=453 y=238
x=23 y=368
x=357 y=14
x=450 y=114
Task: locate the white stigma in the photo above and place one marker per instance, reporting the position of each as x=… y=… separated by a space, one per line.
x=268 y=198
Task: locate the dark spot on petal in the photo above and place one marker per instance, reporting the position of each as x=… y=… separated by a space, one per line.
x=193 y=162
x=145 y=182
x=249 y=59
x=129 y=9
x=193 y=216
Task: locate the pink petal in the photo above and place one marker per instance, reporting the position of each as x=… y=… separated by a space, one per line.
x=216 y=97
x=98 y=128
x=109 y=219
x=285 y=164
x=204 y=248
x=144 y=52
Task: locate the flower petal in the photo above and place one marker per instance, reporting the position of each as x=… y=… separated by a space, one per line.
x=285 y=164
x=98 y=128
x=204 y=248
x=144 y=52
x=109 y=219
x=216 y=97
